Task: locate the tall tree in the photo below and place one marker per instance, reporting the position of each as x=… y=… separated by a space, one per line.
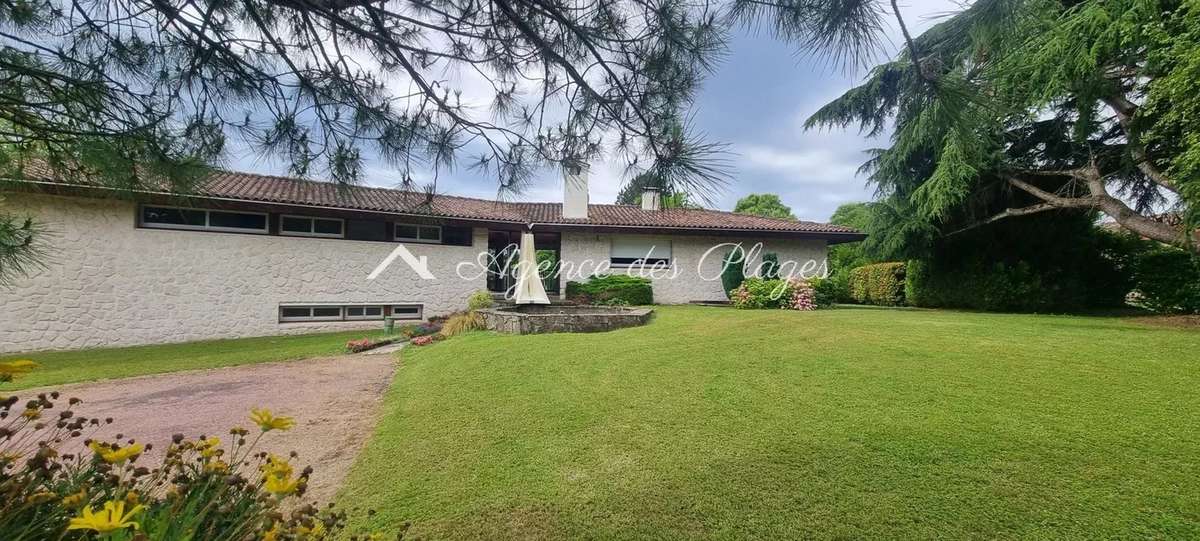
x=1016 y=107
x=851 y=254
x=765 y=204
x=109 y=83
x=137 y=92
x=631 y=193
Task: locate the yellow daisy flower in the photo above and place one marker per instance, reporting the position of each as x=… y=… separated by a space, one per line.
x=112 y=517
x=267 y=421
x=276 y=467
x=209 y=447
x=114 y=455
x=76 y=499
x=272 y=534
x=280 y=486
x=218 y=466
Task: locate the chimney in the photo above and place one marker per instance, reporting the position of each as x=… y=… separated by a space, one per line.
x=651 y=198
x=575 y=191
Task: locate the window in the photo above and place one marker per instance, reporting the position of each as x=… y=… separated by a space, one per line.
x=419 y=233
x=289 y=313
x=310 y=313
x=203 y=220
x=364 y=312
x=310 y=226
x=630 y=251
x=407 y=311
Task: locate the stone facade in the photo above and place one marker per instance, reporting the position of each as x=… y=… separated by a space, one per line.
x=110 y=283
x=695 y=261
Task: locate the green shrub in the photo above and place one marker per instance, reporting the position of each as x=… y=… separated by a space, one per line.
x=880 y=284
x=478 y=300
x=733 y=271
x=825 y=292
x=755 y=293
x=995 y=287
x=605 y=289
x=770 y=266
x=1167 y=280
x=1056 y=262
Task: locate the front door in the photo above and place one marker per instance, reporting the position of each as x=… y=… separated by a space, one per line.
x=502 y=258
x=502 y=254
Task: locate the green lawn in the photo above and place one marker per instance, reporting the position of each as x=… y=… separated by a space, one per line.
x=59 y=367
x=846 y=423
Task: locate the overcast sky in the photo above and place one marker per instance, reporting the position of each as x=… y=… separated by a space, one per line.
x=757 y=103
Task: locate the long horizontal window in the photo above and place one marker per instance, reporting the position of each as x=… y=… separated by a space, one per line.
x=203 y=220
x=348 y=312
x=419 y=233
x=627 y=251
x=311 y=226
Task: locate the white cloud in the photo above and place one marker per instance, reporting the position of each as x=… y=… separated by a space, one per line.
x=806 y=166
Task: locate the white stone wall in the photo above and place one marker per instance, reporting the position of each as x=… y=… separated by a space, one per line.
x=691 y=277
x=108 y=283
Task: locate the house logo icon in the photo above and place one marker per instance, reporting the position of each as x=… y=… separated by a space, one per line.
x=419 y=265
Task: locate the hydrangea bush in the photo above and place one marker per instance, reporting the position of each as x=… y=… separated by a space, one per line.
x=790 y=294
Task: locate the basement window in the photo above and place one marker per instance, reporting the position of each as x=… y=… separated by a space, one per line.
x=407 y=311
x=310 y=313
x=364 y=312
x=160 y=217
x=311 y=226
x=292 y=313
x=419 y=233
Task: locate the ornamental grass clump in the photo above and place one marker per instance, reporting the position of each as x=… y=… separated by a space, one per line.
x=58 y=480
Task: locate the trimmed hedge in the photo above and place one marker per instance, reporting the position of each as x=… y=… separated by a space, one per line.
x=611 y=289
x=1168 y=280
x=1059 y=262
x=880 y=284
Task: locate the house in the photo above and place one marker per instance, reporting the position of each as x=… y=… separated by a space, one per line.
x=251 y=255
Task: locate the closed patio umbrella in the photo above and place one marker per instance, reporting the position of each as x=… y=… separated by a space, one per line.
x=529 y=284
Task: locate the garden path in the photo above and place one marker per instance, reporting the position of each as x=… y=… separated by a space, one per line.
x=335 y=402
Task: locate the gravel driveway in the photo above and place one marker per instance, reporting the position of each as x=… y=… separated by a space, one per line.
x=335 y=402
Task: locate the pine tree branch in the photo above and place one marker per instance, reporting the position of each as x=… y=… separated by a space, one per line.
x=1008 y=213
x=912 y=45
x=1124 y=111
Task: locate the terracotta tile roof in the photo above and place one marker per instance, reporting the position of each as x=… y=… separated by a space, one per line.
x=291 y=191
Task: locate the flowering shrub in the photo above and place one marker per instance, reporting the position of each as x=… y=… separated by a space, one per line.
x=364 y=344
x=425 y=340
x=760 y=293
x=203 y=489
x=757 y=293
x=803 y=296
